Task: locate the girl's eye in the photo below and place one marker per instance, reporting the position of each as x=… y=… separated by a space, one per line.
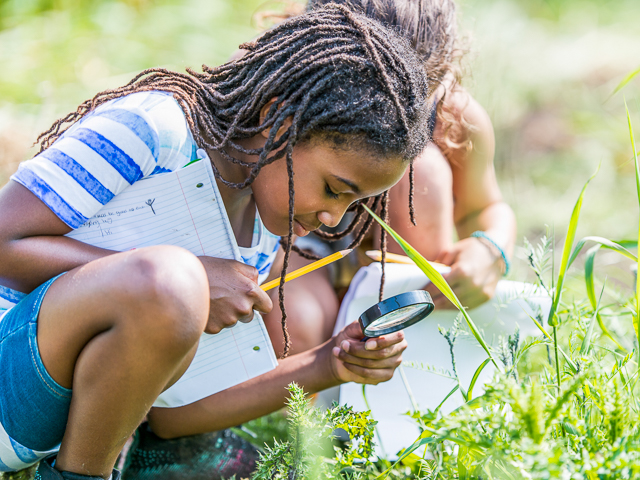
x=330 y=192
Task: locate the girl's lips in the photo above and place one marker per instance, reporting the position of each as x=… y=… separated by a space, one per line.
x=299 y=230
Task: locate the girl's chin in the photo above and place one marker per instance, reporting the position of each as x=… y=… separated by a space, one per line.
x=283 y=230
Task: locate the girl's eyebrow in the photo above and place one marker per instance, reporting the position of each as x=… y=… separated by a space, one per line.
x=349 y=183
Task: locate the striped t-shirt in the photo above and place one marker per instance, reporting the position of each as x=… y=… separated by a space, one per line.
x=121 y=142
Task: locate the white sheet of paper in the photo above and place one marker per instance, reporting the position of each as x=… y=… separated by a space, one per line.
x=183 y=208
x=389 y=401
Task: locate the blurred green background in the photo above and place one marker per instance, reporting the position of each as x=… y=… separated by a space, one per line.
x=543 y=69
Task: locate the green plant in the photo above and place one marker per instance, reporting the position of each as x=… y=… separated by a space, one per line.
x=311 y=432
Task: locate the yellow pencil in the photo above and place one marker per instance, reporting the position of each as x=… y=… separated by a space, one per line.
x=376 y=256
x=307 y=269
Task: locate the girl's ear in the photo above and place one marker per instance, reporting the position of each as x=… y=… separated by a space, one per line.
x=263 y=115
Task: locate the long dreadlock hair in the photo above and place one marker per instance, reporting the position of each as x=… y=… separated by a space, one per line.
x=430 y=26
x=333 y=72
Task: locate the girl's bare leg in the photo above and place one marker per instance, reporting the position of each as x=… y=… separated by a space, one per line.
x=119 y=331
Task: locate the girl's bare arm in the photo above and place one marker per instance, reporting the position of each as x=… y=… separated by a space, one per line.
x=32 y=246
x=476 y=264
x=343 y=358
x=478 y=200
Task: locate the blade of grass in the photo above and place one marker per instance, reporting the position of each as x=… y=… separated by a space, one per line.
x=375 y=427
x=604 y=242
x=438 y=280
x=407 y=387
x=566 y=251
x=453 y=390
x=564 y=265
x=586 y=342
x=429 y=436
x=624 y=81
x=475 y=378
x=591 y=294
x=571 y=363
x=635 y=158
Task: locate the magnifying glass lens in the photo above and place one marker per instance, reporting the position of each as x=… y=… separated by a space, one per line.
x=397 y=317
x=396 y=313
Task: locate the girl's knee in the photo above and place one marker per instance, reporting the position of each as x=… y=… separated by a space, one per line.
x=166 y=289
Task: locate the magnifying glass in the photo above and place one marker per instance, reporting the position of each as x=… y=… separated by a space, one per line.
x=395 y=313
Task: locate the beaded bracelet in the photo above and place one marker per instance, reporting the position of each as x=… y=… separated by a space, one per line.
x=483 y=235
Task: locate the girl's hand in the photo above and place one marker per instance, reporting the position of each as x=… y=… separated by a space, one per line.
x=373 y=361
x=475 y=272
x=234 y=293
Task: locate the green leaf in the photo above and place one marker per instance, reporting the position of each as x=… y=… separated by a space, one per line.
x=428 y=436
x=590 y=284
x=570 y=429
x=636 y=322
x=626 y=80
x=453 y=390
x=463 y=456
x=437 y=279
x=566 y=251
x=475 y=378
x=617 y=246
x=586 y=342
x=571 y=363
x=408 y=451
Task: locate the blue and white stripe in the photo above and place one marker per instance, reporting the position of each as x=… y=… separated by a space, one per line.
x=120 y=143
x=263 y=251
x=14 y=456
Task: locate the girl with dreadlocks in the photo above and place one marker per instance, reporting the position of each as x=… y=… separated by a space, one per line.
x=453 y=179
x=323 y=113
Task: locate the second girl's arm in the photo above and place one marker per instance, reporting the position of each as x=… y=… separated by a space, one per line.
x=32 y=246
x=476 y=263
x=478 y=200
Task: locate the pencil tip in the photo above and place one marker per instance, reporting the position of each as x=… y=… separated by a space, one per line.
x=346 y=252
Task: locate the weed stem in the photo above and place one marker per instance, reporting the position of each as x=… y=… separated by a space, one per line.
x=555 y=347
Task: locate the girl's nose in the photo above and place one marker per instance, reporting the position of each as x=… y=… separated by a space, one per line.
x=330 y=219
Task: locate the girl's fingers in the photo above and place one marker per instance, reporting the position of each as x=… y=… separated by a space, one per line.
x=261 y=300
x=379 y=343
x=368 y=375
x=391 y=361
x=347 y=350
x=447 y=258
x=354 y=331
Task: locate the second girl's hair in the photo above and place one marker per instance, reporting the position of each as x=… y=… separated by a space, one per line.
x=430 y=26
x=335 y=73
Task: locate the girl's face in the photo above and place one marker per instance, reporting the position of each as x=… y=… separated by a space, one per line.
x=326 y=181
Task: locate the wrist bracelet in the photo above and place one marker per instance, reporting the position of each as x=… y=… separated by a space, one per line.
x=483 y=235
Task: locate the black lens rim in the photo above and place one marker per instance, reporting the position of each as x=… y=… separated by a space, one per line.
x=394 y=303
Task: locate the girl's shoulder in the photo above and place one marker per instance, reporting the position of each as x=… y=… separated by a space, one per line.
x=173 y=142
x=122 y=141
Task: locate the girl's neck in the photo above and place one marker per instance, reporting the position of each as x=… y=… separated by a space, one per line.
x=238 y=203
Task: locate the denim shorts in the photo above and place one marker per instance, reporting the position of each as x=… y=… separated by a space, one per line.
x=33 y=407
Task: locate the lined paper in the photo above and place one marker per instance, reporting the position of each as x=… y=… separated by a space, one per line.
x=184 y=209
